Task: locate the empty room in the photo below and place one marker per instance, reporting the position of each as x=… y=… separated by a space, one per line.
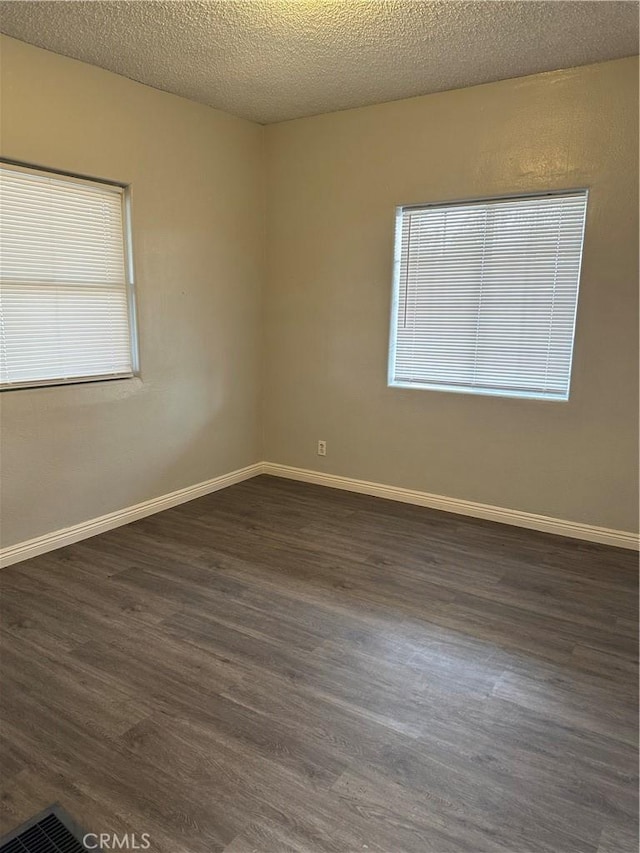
x=319 y=374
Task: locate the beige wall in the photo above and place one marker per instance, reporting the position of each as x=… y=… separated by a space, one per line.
x=333 y=183
x=72 y=453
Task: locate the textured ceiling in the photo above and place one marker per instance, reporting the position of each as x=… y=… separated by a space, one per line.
x=271 y=60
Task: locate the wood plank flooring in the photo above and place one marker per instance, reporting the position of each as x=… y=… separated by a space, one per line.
x=280 y=667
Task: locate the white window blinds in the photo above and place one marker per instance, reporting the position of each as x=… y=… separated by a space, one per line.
x=64 y=291
x=485 y=295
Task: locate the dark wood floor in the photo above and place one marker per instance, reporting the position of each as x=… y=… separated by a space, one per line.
x=281 y=667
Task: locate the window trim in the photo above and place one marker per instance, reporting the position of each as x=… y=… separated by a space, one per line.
x=395 y=296
x=125 y=193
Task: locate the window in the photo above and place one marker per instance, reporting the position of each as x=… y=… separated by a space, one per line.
x=485 y=295
x=66 y=302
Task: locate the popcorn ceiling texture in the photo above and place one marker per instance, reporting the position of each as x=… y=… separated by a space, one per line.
x=272 y=60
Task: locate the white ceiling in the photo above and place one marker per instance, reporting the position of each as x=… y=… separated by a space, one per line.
x=271 y=60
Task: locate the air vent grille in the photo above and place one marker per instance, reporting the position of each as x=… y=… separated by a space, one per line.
x=49 y=832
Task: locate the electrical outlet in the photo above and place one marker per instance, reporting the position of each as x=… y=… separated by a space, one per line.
x=322 y=448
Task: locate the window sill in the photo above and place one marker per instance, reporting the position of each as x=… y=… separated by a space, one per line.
x=483 y=392
x=56 y=383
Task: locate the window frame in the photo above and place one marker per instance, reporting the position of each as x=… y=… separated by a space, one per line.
x=125 y=192
x=395 y=296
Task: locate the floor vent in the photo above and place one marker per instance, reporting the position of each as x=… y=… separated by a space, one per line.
x=51 y=831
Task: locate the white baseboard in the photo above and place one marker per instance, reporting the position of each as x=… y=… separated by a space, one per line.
x=517 y=518
x=69 y=535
